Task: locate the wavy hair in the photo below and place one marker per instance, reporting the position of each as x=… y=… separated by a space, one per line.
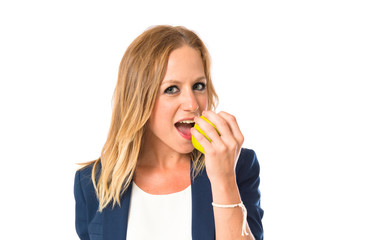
x=141 y=71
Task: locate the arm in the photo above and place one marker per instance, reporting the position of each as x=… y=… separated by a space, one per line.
x=221 y=155
x=228 y=221
x=248 y=180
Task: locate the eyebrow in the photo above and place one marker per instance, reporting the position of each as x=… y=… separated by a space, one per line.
x=177 y=82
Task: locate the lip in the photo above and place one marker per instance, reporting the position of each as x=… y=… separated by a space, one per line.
x=184 y=136
x=181 y=134
x=185 y=119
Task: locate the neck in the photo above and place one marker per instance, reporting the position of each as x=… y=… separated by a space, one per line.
x=156 y=154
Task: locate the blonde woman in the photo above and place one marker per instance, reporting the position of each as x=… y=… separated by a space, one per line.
x=150 y=182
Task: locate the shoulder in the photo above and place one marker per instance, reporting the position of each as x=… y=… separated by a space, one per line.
x=83 y=184
x=247 y=161
x=248 y=169
x=84 y=175
x=86 y=200
x=247 y=153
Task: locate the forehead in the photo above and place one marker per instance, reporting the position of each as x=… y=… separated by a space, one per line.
x=184 y=63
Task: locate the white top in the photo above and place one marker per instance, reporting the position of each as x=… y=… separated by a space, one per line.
x=159 y=216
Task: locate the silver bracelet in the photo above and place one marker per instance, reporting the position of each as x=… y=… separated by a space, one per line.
x=242 y=206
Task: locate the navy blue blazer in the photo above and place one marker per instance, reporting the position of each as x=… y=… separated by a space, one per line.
x=111 y=223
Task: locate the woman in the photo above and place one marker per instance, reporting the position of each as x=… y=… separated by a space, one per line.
x=150 y=182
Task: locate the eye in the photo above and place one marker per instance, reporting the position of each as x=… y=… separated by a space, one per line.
x=199 y=86
x=171 y=90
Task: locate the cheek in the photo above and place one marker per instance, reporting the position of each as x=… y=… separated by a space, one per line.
x=161 y=112
x=203 y=102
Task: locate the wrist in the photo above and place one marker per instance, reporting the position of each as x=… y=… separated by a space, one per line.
x=225 y=192
x=222 y=180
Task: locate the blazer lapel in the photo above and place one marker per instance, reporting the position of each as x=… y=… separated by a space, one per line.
x=203 y=227
x=115 y=219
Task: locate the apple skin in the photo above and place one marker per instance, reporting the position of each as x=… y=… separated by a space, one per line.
x=195 y=142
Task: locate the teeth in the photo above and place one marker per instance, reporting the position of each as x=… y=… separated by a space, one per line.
x=187 y=121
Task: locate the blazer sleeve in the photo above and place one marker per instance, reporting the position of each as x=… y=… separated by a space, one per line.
x=248 y=181
x=81 y=208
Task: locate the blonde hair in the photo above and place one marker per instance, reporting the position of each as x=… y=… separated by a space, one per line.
x=141 y=71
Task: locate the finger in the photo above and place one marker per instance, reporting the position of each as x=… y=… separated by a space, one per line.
x=221 y=124
x=227 y=137
x=203 y=141
x=232 y=121
x=209 y=130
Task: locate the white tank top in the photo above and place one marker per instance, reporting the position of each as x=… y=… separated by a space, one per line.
x=159 y=216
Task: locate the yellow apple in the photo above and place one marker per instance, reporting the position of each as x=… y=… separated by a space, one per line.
x=195 y=142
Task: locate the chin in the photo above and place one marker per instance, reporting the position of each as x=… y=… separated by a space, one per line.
x=185 y=149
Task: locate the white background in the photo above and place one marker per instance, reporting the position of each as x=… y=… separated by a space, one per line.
x=307 y=80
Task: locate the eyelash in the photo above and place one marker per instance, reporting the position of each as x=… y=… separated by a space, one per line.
x=167 y=91
x=202 y=84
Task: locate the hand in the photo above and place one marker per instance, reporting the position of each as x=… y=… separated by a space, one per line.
x=222 y=152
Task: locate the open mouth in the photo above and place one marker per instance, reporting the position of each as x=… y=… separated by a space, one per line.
x=184 y=128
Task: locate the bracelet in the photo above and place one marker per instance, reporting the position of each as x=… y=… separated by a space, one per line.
x=242 y=206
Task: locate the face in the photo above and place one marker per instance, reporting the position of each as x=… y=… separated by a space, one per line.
x=181 y=97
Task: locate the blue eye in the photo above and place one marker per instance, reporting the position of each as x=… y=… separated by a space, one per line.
x=171 y=90
x=199 y=86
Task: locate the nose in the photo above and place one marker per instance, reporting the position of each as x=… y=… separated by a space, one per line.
x=189 y=102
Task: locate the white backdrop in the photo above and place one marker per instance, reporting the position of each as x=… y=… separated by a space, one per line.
x=307 y=80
